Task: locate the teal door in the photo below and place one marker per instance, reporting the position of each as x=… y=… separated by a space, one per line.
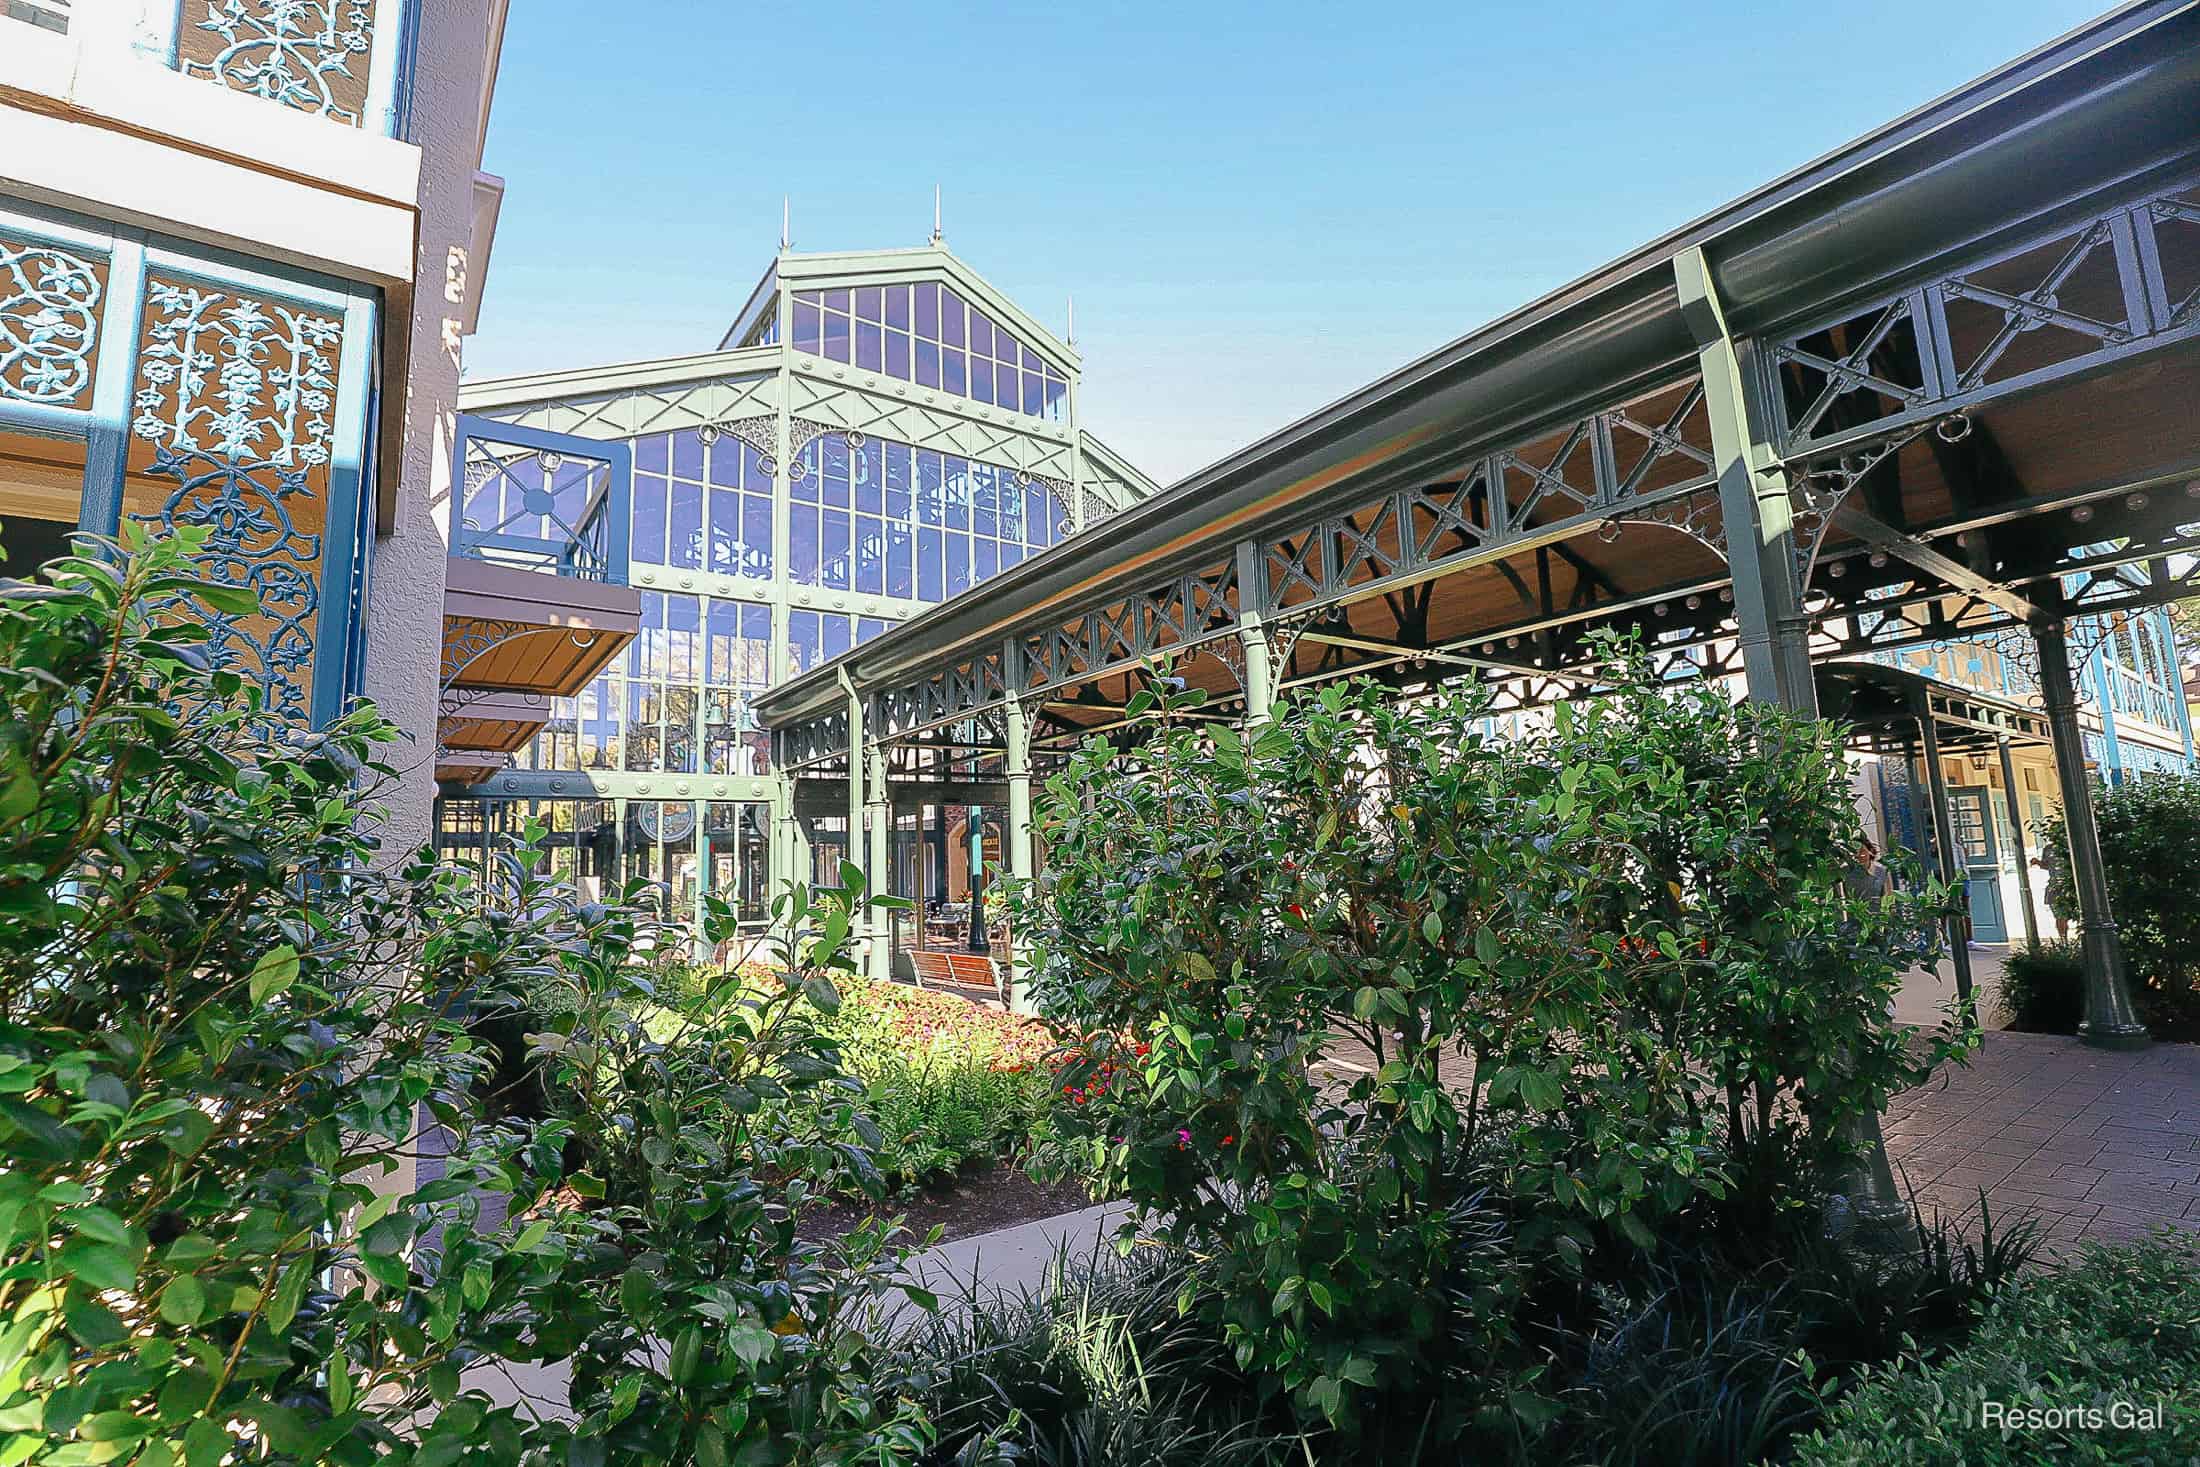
x=1977 y=847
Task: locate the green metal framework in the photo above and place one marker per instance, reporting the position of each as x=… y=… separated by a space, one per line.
x=780 y=419
x=1936 y=385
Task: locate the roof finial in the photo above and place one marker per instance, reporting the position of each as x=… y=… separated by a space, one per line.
x=1071 y=338
x=786 y=221
x=936 y=235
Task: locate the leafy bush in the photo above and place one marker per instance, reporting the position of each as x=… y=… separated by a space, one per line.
x=943 y=1082
x=1698 y=1355
x=2122 y=1325
x=2150 y=854
x=227 y=1029
x=2043 y=988
x=1548 y=945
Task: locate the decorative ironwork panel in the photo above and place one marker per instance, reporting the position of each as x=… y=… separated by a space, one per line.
x=50 y=306
x=307 y=54
x=1011 y=443
x=2172 y=241
x=2062 y=303
x=233 y=414
x=634 y=411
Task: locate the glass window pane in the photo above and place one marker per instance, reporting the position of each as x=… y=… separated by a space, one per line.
x=897 y=356
x=958 y=562
x=805 y=646
x=839 y=634
x=647 y=543
x=956 y=496
x=686 y=525
x=984 y=560
x=1005 y=391
x=952 y=378
x=981 y=378
x=870 y=346
x=984 y=501
x=981 y=333
x=650 y=453
x=1057 y=398
x=1036 y=519
x=898 y=469
x=837 y=300
x=1011 y=554
x=725 y=461
x=725 y=531
x=802 y=545
x=870 y=556
x=930 y=573
x=833 y=566
x=951 y=317
x=930 y=508
x=928 y=364
x=901 y=559
x=1034 y=394
x=928 y=310
x=756 y=534
x=870 y=303
x=868 y=627
x=836 y=337
x=807 y=325
x=687 y=456
x=897 y=306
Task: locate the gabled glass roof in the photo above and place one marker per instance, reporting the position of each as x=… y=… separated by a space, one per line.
x=927 y=333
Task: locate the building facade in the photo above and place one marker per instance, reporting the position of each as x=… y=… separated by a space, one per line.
x=2133 y=720
x=876 y=433
x=240 y=249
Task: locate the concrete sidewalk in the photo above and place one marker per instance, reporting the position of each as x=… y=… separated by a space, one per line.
x=1013 y=1260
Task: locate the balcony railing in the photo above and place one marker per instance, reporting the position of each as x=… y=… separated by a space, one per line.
x=339 y=59
x=542 y=502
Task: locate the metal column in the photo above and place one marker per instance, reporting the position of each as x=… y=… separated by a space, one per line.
x=1260 y=681
x=852 y=844
x=2016 y=833
x=1951 y=865
x=1773 y=633
x=1020 y=864
x=2110 y=1020
x=879 y=865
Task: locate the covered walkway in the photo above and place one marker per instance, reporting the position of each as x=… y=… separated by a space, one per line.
x=1935 y=385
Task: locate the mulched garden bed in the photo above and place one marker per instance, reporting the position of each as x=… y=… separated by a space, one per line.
x=981 y=1198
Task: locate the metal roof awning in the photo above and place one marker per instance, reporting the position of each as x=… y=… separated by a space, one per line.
x=1883 y=706
x=1971 y=342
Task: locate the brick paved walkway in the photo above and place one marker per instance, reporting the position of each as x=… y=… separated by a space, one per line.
x=2098 y=1145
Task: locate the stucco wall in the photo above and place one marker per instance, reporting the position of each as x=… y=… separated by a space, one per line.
x=404 y=610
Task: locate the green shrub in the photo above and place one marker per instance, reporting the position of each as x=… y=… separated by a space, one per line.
x=229 y=1025
x=1547 y=945
x=2043 y=988
x=2122 y=1325
x=2150 y=855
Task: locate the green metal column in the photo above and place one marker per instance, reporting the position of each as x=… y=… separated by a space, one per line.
x=879 y=865
x=852 y=843
x=1951 y=859
x=1260 y=681
x=1773 y=633
x=2110 y=1020
x=1021 y=866
x=2016 y=833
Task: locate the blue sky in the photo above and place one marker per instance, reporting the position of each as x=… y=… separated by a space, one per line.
x=1259 y=207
